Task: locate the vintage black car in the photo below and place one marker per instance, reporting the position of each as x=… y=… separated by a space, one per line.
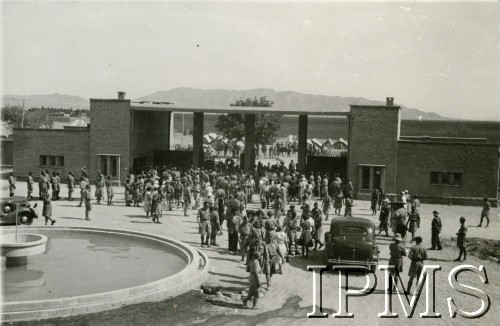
x=25 y=213
x=351 y=241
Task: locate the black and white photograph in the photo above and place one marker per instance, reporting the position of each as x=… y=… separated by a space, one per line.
x=249 y=162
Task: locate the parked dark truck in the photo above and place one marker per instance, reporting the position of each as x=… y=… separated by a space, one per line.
x=351 y=241
x=25 y=213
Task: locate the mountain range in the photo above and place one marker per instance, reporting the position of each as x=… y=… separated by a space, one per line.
x=59 y=101
x=221 y=97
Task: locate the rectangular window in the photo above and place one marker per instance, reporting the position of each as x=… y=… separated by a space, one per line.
x=446 y=178
x=377 y=177
x=43 y=160
x=365 y=178
x=51 y=161
x=108 y=165
x=114 y=167
x=371 y=177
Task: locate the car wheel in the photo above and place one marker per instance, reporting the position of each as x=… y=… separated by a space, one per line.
x=25 y=219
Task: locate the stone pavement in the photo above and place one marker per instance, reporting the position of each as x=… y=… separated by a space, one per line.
x=290 y=296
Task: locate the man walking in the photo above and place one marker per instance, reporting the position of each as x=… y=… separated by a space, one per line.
x=485 y=213
x=203 y=219
x=436 y=229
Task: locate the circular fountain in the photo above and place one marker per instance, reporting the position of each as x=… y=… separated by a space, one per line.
x=87 y=270
x=16 y=248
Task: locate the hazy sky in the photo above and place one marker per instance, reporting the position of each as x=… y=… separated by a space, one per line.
x=441 y=56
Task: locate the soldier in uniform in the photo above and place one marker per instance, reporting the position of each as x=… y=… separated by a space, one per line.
x=270 y=225
x=326 y=205
x=109 y=190
x=397 y=251
x=29 y=183
x=436 y=229
x=186 y=197
x=83 y=186
x=87 y=196
x=41 y=184
x=417 y=256
x=318 y=226
x=71 y=186
x=99 y=187
x=485 y=213
x=169 y=193
x=12 y=184
x=55 y=186
x=292 y=226
x=348 y=206
x=196 y=194
x=244 y=230
x=461 y=238
x=214 y=226
x=385 y=211
x=203 y=219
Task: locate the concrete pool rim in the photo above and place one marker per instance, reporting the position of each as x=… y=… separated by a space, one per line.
x=191 y=276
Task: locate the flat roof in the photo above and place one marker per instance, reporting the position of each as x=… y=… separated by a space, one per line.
x=238 y=109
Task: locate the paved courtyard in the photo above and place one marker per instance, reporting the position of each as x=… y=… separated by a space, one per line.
x=290 y=297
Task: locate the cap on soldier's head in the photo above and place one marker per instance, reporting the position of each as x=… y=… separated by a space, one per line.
x=435 y=212
x=292 y=207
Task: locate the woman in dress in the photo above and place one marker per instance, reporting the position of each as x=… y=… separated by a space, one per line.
x=282 y=241
x=47 y=208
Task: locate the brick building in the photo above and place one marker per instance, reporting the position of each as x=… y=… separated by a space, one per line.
x=123 y=135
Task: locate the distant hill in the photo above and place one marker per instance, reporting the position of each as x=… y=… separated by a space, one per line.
x=222 y=97
x=59 y=101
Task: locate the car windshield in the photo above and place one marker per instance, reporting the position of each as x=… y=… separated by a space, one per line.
x=355 y=230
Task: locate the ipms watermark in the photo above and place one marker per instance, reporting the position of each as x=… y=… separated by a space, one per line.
x=408 y=301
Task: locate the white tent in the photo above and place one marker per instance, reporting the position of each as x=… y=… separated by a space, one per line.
x=329 y=142
x=78 y=123
x=316 y=143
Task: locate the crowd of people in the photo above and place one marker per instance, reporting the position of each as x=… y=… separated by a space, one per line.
x=265 y=237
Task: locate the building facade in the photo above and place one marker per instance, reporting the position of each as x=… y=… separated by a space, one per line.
x=123 y=135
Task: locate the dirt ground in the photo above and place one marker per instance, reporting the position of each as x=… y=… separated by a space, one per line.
x=290 y=297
